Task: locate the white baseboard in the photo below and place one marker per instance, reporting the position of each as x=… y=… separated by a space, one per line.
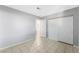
x=18 y=43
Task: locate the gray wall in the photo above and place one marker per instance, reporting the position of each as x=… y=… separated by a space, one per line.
x=71 y=12
x=15 y=26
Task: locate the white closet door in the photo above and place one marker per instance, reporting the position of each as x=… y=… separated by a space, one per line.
x=61 y=29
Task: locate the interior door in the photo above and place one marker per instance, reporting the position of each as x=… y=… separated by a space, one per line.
x=61 y=29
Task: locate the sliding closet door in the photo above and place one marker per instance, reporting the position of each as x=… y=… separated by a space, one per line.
x=61 y=29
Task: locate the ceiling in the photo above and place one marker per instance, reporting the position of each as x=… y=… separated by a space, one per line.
x=43 y=10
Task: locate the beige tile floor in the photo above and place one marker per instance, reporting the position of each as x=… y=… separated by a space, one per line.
x=41 y=45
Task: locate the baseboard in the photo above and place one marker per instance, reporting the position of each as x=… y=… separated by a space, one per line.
x=18 y=43
x=66 y=43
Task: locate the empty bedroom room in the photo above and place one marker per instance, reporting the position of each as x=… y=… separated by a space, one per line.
x=39 y=29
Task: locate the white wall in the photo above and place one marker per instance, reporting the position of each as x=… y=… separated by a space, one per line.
x=15 y=26
x=61 y=29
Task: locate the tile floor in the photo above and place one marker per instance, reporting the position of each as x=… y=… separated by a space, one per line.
x=41 y=46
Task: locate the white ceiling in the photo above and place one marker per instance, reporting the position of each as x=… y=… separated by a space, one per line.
x=44 y=9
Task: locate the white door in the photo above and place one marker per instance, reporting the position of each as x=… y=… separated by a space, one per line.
x=61 y=29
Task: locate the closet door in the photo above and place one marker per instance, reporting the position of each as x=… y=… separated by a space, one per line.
x=61 y=29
